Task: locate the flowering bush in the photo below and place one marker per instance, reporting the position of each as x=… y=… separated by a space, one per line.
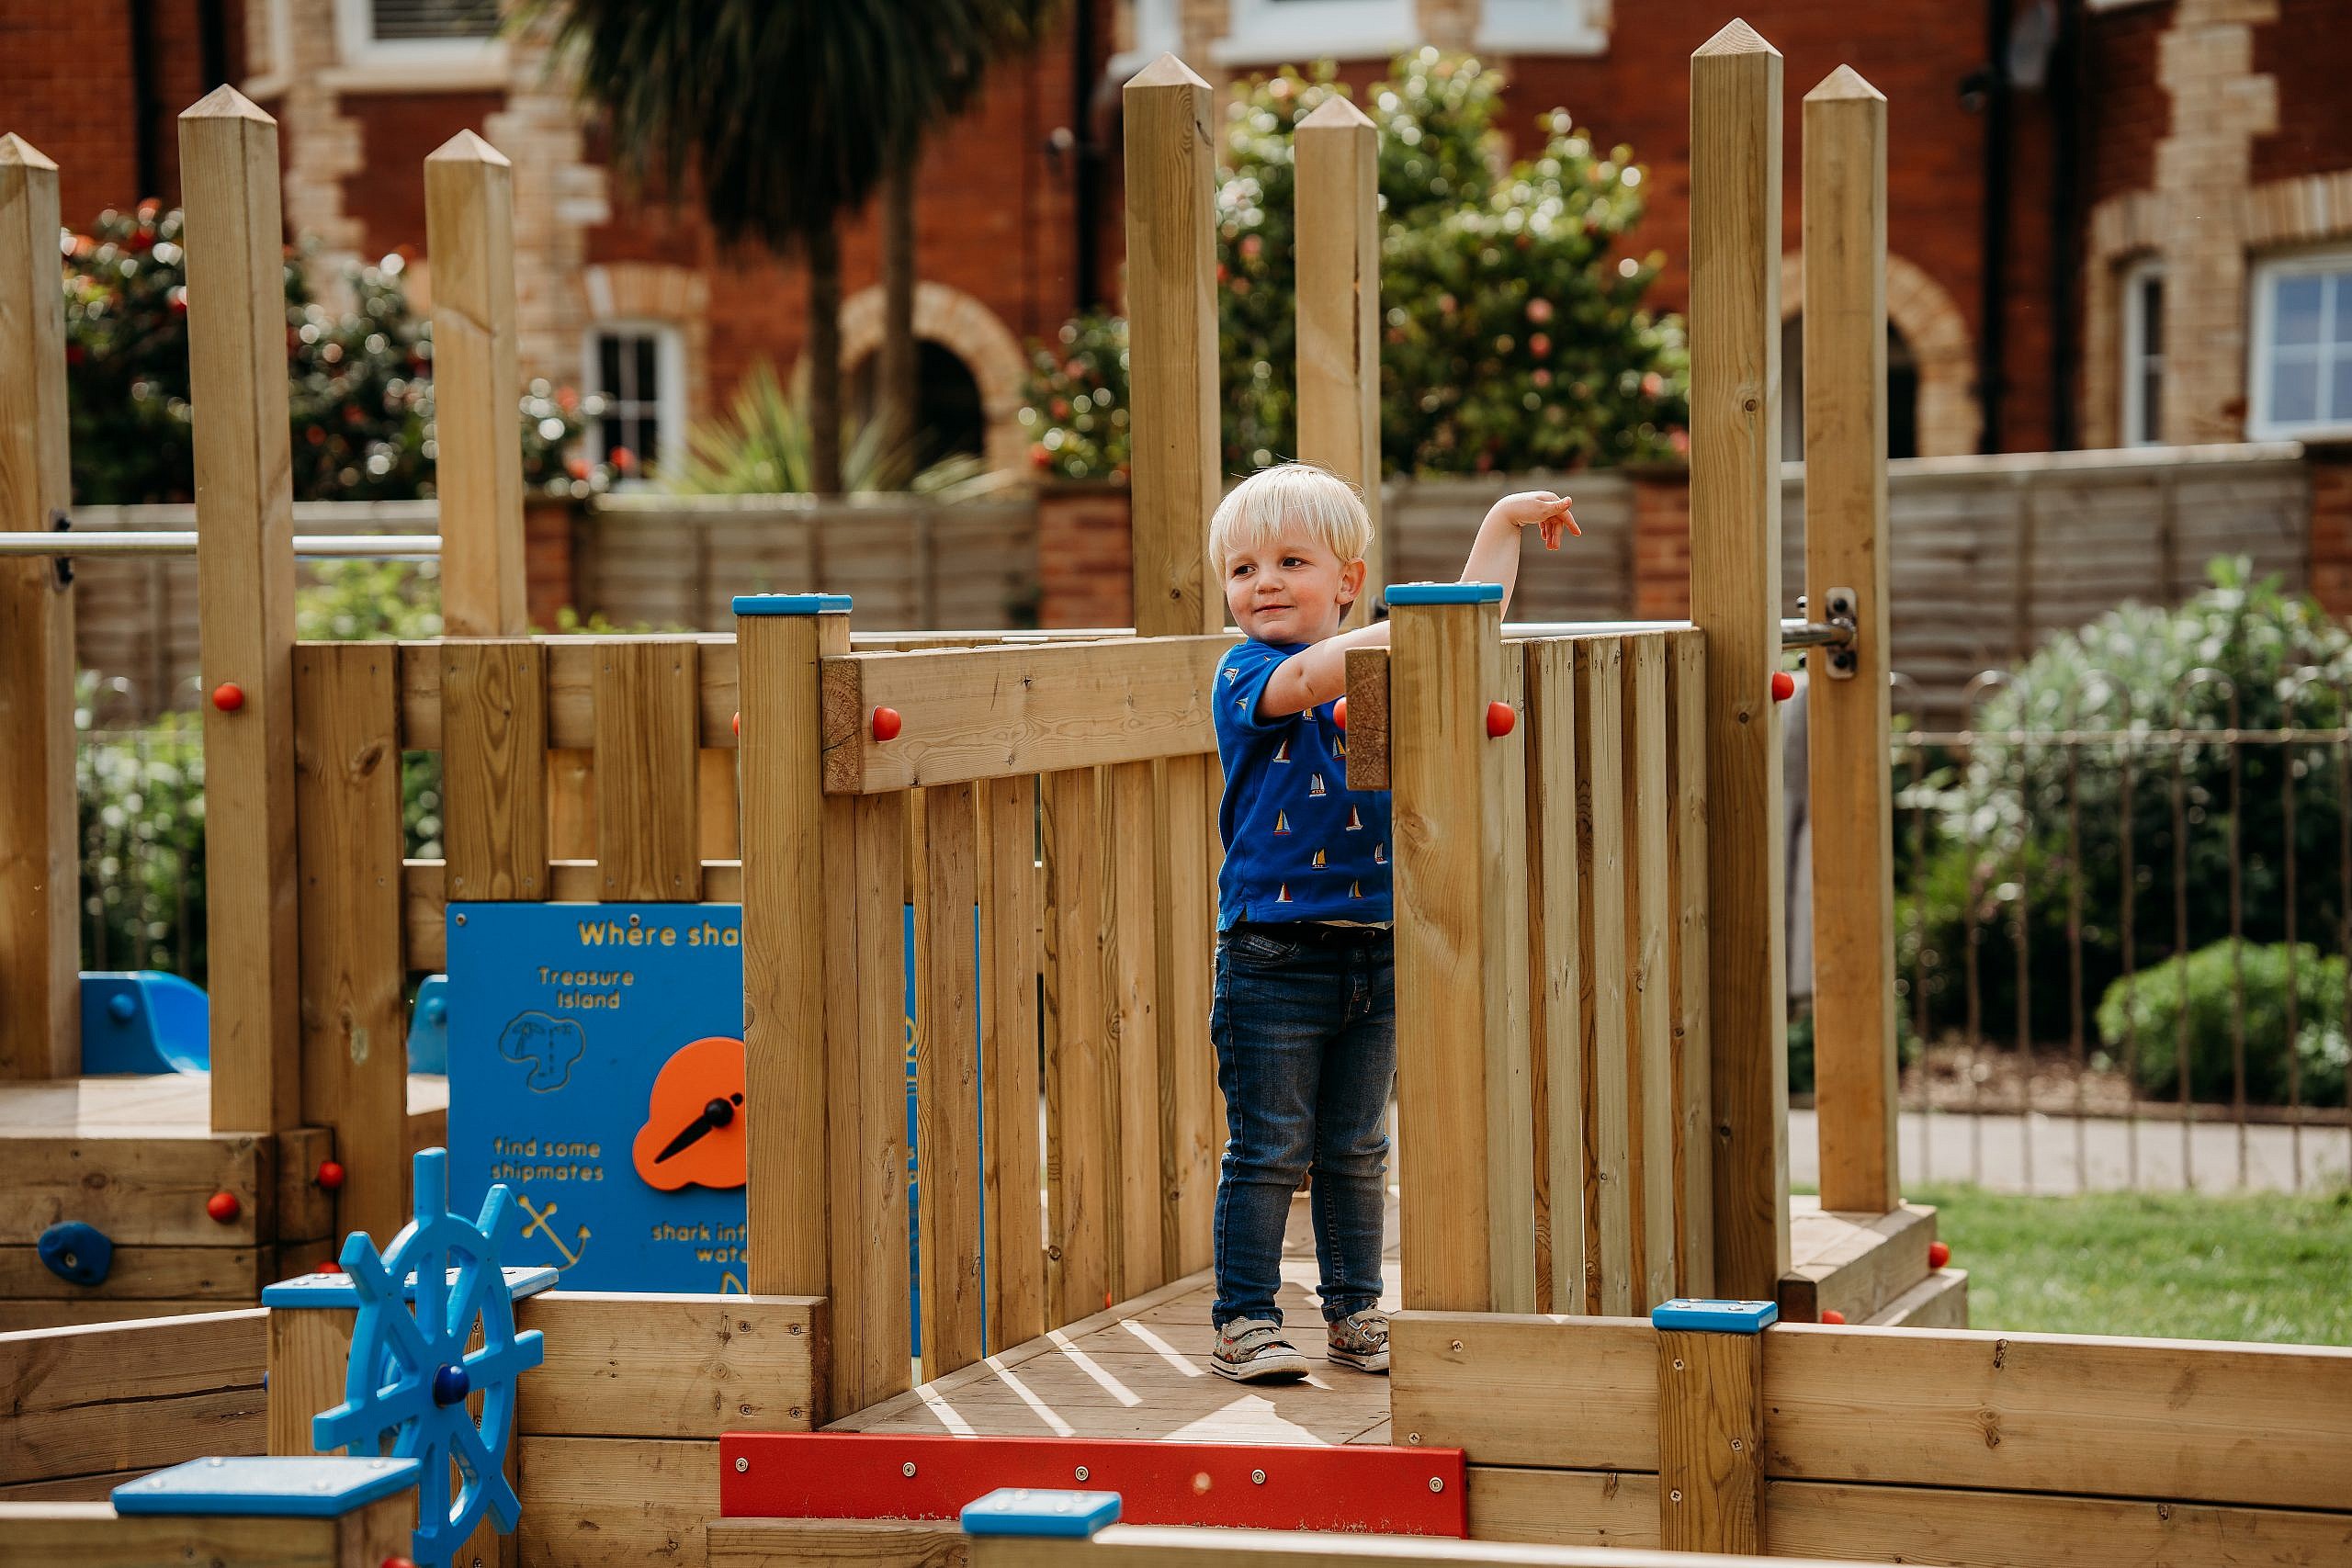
x=359 y=378
x=1513 y=335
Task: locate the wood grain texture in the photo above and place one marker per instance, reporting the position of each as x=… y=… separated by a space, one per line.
x=354 y=1055
x=1184 y=830
x=572 y=695
x=40 y=933
x=1939 y=1301
x=1685 y=859
x=1554 y=956
x=947 y=1079
x=1735 y=600
x=470 y=239
x=1367 y=736
x=1710 y=1441
x=868 y=1117
x=309 y=1351
x=1172 y=338
x=1445 y=666
x=1131 y=1087
x=1495 y=1387
x=1564 y=1508
x=1336 y=251
x=1846 y=542
x=648 y=795
x=1649 y=1013
x=786 y=896
x=657 y=1365
x=225 y=1276
x=131 y=1395
x=244 y=564
x=1603 y=948
x=141 y=1188
x=92 y=1535
x=1853 y=1264
x=1011 y=1090
x=493 y=773
x=1081 y=1159
x=1161 y=1546
x=988 y=713
x=838 y=1543
x=617 y=1502
x=1511 y=1076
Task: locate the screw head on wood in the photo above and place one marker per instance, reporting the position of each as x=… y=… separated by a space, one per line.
x=908 y=1470
x=1675 y=1495
x=1079 y=1472
x=228 y=697
x=741 y=1464
x=1257 y=1478
x=1437 y=1483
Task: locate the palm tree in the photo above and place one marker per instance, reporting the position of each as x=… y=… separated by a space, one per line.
x=782 y=117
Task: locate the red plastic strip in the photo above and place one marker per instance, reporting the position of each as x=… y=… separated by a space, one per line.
x=880 y=1475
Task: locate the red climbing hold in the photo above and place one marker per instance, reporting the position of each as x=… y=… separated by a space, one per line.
x=739 y=724
x=1339 y=713
x=885 y=723
x=329 y=1174
x=228 y=697
x=329 y=1267
x=398 y=1562
x=1784 y=686
x=222 y=1206
x=1501 y=720
x=1937 y=1255
x=1831 y=1314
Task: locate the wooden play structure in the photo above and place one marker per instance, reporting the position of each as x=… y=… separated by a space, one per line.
x=1592 y=1094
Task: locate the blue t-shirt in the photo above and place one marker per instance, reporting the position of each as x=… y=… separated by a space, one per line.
x=1299 y=844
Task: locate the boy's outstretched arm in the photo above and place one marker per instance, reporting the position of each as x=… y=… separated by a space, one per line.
x=1316 y=674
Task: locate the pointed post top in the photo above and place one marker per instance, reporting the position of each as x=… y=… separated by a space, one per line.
x=225 y=102
x=18 y=152
x=1845 y=83
x=1336 y=111
x=1167 y=72
x=1737 y=37
x=466 y=147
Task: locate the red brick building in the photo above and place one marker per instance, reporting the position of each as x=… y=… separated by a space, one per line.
x=2166 y=185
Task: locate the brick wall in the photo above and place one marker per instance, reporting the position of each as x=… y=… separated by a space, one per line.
x=386 y=194
x=1085 y=565
x=2331 y=546
x=2128 y=110
x=2308 y=50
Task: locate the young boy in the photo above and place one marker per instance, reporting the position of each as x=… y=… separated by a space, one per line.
x=1305 y=1017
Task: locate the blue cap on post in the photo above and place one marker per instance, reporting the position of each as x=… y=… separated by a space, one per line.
x=1022 y=1510
x=792 y=604
x=1443 y=593
x=1722 y=1317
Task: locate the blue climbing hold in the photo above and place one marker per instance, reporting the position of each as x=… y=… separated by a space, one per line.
x=122 y=1006
x=450 y=1384
x=142 y=1020
x=77 y=1253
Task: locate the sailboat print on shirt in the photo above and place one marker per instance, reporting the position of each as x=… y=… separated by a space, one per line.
x=1282 y=751
x=1231 y=676
x=1355 y=819
x=1380 y=854
x=1340 y=747
x=1320 y=862
x=1355 y=889
x=1281 y=824
x=1281 y=894
x=1314 y=786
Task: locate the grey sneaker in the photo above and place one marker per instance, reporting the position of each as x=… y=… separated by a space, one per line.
x=1361 y=1341
x=1249 y=1349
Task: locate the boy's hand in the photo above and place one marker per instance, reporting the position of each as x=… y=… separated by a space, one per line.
x=1544 y=510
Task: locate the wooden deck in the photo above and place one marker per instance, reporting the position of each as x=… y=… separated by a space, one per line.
x=1140 y=1370
x=157 y=1105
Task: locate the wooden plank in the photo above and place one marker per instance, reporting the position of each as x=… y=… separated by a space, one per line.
x=1850 y=719
x=469 y=238
x=1510 y=1087
x=1367 y=735
x=1602 y=949
x=947 y=1079
x=867 y=1109
x=572 y=804
x=1172 y=336
x=310 y=1352
x=1555 y=1031
x=1189 y=1140
x=91 y=1535
x=494 y=777
x=850 y=1543
x=348 y=789
x=1338 y=255
x=786 y=904
x=1939 y=1301
x=1161 y=1546
x=648 y=799
x=983 y=713
x=1709 y=1440
x=71 y=1489
x=718 y=834
x=617 y=1502
x=1131 y=1087
x=1854 y=1264
x=140 y=1188
x=1446 y=666
x=570 y=691
x=1735 y=238
x=2259 y=1425
x=1686 y=860
x=656 y=1365
x=1495 y=1386
x=132 y=1395
x=245 y=563
x=1922 y=1523
x=1564 y=1508
x=1649 y=1019
x=1079 y=1158
x=1011 y=1090
x=40 y=934
x=218 y=1274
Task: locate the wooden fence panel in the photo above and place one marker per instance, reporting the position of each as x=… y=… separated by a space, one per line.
x=1602 y=951
x=1649 y=1046
x=1130 y=989
x=1079 y=1157
x=1185 y=830
x=1010 y=1090
x=1686 y=850
x=947 y=1080
x=493 y=733
x=648 y=793
x=1555 y=959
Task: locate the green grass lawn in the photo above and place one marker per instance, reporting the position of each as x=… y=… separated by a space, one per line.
x=2176 y=1266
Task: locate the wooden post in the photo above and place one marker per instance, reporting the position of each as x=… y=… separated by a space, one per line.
x=244 y=567
x=1464 y=1216
x=1735 y=600
x=1710 y=1440
x=40 y=990
x=469 y=236
x=1846 y=555
x=309 y=1349
x=1172 y=341
x=1339 y=312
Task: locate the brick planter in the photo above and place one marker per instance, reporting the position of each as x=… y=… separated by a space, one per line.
x=1085 y=564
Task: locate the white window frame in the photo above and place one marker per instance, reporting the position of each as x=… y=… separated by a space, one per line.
x=455 y=63
x=1155 y=29
x=1298 y=33
x=670 y=395
x=1544 y=26
x=2260 y=424
x=2136 y=278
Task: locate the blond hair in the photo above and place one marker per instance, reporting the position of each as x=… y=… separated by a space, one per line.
x=1305 y=496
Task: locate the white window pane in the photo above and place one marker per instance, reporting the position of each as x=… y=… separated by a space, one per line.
x=407 y=19
x=2294 y=390
x=2339 y=408
x=2296 y=319
x=2342 y=283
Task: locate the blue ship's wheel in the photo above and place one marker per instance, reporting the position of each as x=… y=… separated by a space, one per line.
x=411 y=1376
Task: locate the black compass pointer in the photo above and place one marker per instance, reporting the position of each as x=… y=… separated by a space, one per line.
x=716 y=1114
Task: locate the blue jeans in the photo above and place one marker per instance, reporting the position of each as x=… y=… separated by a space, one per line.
x=1305 y=1024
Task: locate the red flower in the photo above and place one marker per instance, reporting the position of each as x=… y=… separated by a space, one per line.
x=1039 y=457
x=567 y=400
x=621 y=458
x=140 y=240
x=1539 y=310
x=1251 y=247
x=577 y=468
x=1538 y=344
x=74 y=353
x=1653 y=384
x=1061 y=408
x=1542 y=378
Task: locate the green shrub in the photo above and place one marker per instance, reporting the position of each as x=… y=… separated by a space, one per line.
x=2140 y=1023
x=141 y=814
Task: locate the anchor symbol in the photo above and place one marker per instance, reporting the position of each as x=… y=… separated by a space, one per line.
x=539 y=1218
